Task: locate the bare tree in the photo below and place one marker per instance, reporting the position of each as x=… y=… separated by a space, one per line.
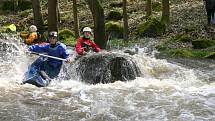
x=165 y=12
x=76 y=22
x=99 y=22
x=15 y=5
x=148 y=8
x=125 y=21
x=58 y=13
x=52 y=15
x=38 y=19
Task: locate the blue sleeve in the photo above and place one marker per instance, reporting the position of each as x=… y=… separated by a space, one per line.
x=39 y=48
x=65 y=53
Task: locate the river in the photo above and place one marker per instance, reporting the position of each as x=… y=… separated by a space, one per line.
x=168 y=90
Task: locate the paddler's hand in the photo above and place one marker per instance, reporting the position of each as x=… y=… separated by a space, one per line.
x=26 y=50
x=69 y=60
x=84 y=52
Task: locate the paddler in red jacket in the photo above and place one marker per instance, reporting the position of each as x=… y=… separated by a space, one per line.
x=84 y=44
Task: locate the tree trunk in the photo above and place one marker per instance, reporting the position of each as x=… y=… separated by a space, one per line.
x=76 y=22
x=165 y=12
x=52 y=15
x=148 y=8
x=99 y=22
x=125 y=21
x=38 y=19
x=15 y=4
x=58 y=13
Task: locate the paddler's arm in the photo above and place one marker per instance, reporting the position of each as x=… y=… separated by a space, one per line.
x=95 y=47
x=66 y=54
x=78 y=48
x=39 y=48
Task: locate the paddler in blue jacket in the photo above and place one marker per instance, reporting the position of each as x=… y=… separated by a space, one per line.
x=51 y=67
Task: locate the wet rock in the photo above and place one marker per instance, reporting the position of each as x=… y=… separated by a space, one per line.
x=106 y=68
x=115 y=29
x=132 y=52
x=151 y=28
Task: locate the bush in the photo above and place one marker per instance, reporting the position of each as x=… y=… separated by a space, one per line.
x=67 y=36
x=115 y=29
x=114 y=15
x=183 y=38
x=21 y=5
x=181 y=53
x=7 y=5
x=188 y=29
x=161 y=47
x=25 y=13
x=211 y=55
x=156 y=6
x=24 y=4
x=151 y=28
x=116 y=4
x=202 y=43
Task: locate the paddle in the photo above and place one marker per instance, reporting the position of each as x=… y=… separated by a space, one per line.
x=44 y=55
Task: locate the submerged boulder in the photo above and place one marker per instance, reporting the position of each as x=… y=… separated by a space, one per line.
x=105 y=68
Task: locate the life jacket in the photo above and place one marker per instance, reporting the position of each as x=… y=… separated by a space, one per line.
x=35 y=38
x=85 y=44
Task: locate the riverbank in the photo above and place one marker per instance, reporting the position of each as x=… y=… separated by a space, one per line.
x=187 y=35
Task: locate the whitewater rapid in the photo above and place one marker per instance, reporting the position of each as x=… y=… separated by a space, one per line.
x=164 y=92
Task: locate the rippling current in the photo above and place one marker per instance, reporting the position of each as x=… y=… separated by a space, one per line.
x=165 y=92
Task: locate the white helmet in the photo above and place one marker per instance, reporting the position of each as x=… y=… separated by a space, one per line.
x=33 y=28
x=87 y=29
x=53 y=34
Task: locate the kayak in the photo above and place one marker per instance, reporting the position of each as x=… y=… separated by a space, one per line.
x=35 y=76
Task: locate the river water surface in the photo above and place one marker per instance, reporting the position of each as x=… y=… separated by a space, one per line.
x=167 y=91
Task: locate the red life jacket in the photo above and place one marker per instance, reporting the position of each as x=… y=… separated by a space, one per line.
x=84 y=44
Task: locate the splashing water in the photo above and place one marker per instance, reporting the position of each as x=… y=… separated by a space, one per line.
x=165 y=91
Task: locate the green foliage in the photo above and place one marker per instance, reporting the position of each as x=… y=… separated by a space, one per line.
x=185 y=53
x=114 y=28
x=199 y=53
x=25 y=13
x=156 y=6
x=116 y=4
x=7 y=5
x=202 y=43
x=161 y=47
x=151 y=28
x=188 y=29
x=19 y=5
x=181 y=53
x=182 y=38
x=210 y=55
x=24 y=4
x=114 y=15
x=67 y=36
